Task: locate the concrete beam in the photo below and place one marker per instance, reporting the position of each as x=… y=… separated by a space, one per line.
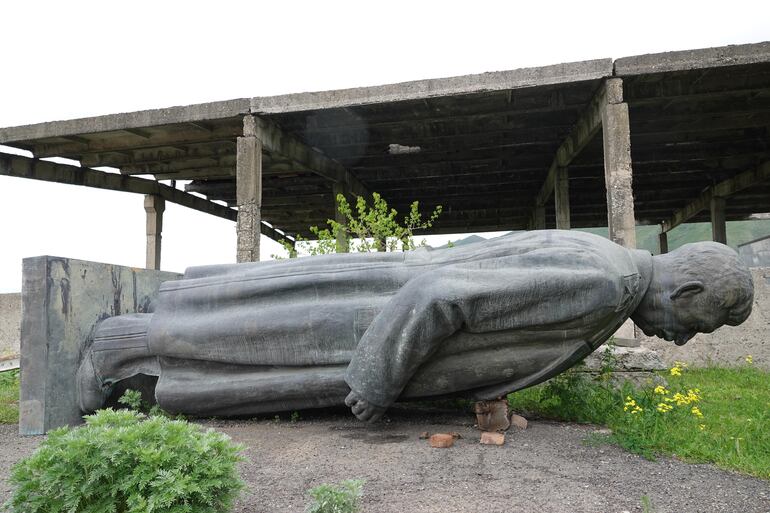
x=582 y=133
x=718 y=220
x=25 y=167
x=561 y=197
x=248 y=179
x=154 y=207
x=618 y=174
x=425 y=89
x=663 y=242
x=723 y=189
x=276 y=141
x=538 y=218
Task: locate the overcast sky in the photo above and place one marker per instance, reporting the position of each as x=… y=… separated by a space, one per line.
x=64 y=60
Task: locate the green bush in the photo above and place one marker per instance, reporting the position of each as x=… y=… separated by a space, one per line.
x=121 y=463
x=336 y=499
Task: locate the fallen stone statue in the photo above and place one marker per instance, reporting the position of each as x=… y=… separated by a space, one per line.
x=368 y=329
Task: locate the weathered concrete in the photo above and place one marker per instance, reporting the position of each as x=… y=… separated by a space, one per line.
x=249 y=192
x=663 y=242
x=423 y=89
x=62 y=301
x=538 y=218
x=638 y=365
x=728 y=345
x=10 y=324
x=733 y=55
x=756 y=253
x=128 y=120
x=561 y=198
x=718 y=220
x=618 y=175
x=154 y=207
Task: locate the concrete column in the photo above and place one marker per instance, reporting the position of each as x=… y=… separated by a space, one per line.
x=538 y=219
x=561 y=198
x=248 y=176
x=718 y=220
x=618 y=175
x=154 y=207
x=663 y=242
x=342 y=240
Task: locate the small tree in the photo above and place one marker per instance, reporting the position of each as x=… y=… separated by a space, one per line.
x=366 y=229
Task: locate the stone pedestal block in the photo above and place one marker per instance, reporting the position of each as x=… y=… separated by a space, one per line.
x=62 y=300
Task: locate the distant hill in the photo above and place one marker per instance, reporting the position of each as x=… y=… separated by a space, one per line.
x=738 y=232
x=467 y=240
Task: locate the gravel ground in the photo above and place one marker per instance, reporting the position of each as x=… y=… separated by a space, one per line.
x=545 y=468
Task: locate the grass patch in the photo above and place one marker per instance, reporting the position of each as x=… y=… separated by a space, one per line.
x=711 y=415
x=9 y=397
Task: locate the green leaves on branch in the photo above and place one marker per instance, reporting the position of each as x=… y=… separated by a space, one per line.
x=366 y=229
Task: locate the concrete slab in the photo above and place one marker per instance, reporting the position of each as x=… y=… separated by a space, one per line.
x=722 y=56
x=422 y=89
x=126 y=120
x=62 y=300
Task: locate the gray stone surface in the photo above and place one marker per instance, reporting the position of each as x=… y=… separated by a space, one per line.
x=10 y=324
x=731 y=344
x=626 y=359
x=478 y=321
x=127 y=120
x=732 y=55
x=423 y=89
x=62 y=301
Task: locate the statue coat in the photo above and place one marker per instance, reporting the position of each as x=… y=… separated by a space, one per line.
x=478 y=321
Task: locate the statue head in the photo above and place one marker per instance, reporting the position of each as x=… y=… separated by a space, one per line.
x=695 y=288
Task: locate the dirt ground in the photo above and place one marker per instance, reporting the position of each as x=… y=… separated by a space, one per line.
x=545 y=468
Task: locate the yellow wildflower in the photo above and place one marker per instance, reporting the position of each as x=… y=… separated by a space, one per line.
x=693 y=395
x=681 y=399
x=749 y=359
x=664 y=407
x=676 y=371
x=660 y=389
x=696 y=411
x=637 y=409
x=702 y=426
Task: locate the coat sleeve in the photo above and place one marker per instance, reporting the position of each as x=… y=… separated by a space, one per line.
x=538 y=289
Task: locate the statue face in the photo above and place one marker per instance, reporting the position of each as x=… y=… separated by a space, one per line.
x=683 y=312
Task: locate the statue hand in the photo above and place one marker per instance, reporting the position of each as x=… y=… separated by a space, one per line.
x=363 y=409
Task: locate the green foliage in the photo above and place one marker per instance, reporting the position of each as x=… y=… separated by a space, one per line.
x=343 y=498
x=714 y=415
x=366 y=229
x=9 y=397
x=120 y=463
x=133 y=400
x=647 y=506
x=295 y=417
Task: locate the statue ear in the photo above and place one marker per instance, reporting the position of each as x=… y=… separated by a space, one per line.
x=688 y=289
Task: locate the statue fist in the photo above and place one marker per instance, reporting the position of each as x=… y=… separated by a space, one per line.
x=363 y=409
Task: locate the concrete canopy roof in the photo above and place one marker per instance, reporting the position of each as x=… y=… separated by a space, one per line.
x=480 y=145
